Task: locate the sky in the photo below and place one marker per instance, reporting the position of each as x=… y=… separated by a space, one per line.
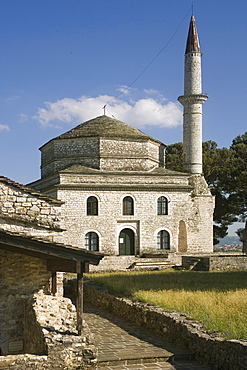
x=63 y=60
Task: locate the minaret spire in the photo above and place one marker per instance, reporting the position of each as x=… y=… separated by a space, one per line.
x=192 y=44
x=192 y=101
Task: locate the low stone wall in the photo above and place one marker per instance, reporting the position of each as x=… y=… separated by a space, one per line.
x=217 y=262
x=51 y=338
x=113 y=263
x=209 y=347
x=228 y=262
x=123 y=263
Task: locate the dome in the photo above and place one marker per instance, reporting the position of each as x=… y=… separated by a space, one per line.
x=104 y=126
x=102 y=143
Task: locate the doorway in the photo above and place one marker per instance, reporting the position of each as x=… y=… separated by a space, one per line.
x=127 y=242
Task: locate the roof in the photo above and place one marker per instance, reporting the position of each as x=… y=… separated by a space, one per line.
x=157 y=171
x=93 y=175
x=104 y=126
x=192 y=45
x=19 y=243
x=30 y=191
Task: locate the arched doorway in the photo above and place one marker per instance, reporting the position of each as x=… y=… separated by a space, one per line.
x=126 y=242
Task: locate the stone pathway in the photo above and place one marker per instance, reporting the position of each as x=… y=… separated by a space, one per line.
x=122 y=345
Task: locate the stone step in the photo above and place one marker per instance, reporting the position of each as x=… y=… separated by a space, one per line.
x=152 y=263
x=133 y=357
x=159 y=264
x=152 y=366
x=154 y=255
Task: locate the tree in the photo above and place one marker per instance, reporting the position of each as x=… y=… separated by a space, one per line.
x=225 y=171
x=238 y=187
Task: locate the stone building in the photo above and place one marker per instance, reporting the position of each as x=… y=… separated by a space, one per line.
x=32 y=309
x=118 y=197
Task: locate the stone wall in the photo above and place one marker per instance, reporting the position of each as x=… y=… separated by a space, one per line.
x=57 y=155
x=208 y=347
x=215 y=262
x=114 y=263
x=20 y=277
x=195 y=210
x=101 y=153
x=22 y=210
x=145 y=223
x=52 y=342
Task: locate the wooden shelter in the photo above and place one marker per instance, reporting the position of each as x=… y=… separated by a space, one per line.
x=58 y=257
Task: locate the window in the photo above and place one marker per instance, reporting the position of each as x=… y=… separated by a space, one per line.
x=162 y=205
x=128 y=206
x=163 y=240
x=92 y=241
x=92 y=206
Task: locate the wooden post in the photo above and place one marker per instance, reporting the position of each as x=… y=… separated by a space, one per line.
x=79 y=300
x=54 y=282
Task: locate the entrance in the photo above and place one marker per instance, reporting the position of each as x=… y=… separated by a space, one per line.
x=126 y=242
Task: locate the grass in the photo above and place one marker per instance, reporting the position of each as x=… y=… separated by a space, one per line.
x=218 y=299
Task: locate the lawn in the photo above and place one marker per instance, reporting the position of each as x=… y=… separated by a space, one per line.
x=218 y=299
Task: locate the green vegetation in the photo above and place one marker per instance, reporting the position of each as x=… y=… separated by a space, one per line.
x=218 y=299
x=225 y=171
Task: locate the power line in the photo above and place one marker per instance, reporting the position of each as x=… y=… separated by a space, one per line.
x=148 y=65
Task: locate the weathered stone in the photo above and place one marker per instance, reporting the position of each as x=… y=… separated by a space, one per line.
x=209 y=347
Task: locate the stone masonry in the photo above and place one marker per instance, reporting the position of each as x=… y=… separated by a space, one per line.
x=22 y=210
x=108 y=160
x=190 y=203
x=209 y=347
x=52 y=342
x=38 y=330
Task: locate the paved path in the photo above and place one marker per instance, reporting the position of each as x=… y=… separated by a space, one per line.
x=122 y=345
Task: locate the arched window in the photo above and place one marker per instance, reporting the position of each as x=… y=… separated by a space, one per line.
x=92 y=241
x=162 y=206
x=92 y=206
x=128 y=206
x=163 y=240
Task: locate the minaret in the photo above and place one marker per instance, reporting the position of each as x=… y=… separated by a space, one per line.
x=192 y=101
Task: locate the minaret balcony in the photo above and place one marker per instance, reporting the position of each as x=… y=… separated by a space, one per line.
x=192 y=99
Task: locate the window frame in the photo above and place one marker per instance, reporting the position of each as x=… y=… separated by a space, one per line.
x=92 y=241
x=162 y=206
x=128 y=206
x=163 y=240
x=92 y=206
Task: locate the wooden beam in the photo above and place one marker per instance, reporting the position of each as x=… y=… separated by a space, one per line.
x=46 y=250
x=86 y=267
x=54 y=283
x=79 y=299
x=61 y=265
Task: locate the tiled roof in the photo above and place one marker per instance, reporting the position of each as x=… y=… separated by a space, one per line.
x=107 y=127
x=158 y=171
x=22 y=243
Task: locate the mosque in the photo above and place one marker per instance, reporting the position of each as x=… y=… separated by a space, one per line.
x=117 y=196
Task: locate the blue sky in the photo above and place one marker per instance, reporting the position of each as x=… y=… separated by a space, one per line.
x=62 y=60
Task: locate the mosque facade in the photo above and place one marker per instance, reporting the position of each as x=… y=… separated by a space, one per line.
x=118 y=197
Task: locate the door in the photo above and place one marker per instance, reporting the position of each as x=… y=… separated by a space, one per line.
x=126 y=242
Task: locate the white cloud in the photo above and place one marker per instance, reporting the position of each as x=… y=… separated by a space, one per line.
x=124 y=89
x=12 y=98
x=23 y=117
x=151 y=91
x=4 y=128
x=139 y=113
